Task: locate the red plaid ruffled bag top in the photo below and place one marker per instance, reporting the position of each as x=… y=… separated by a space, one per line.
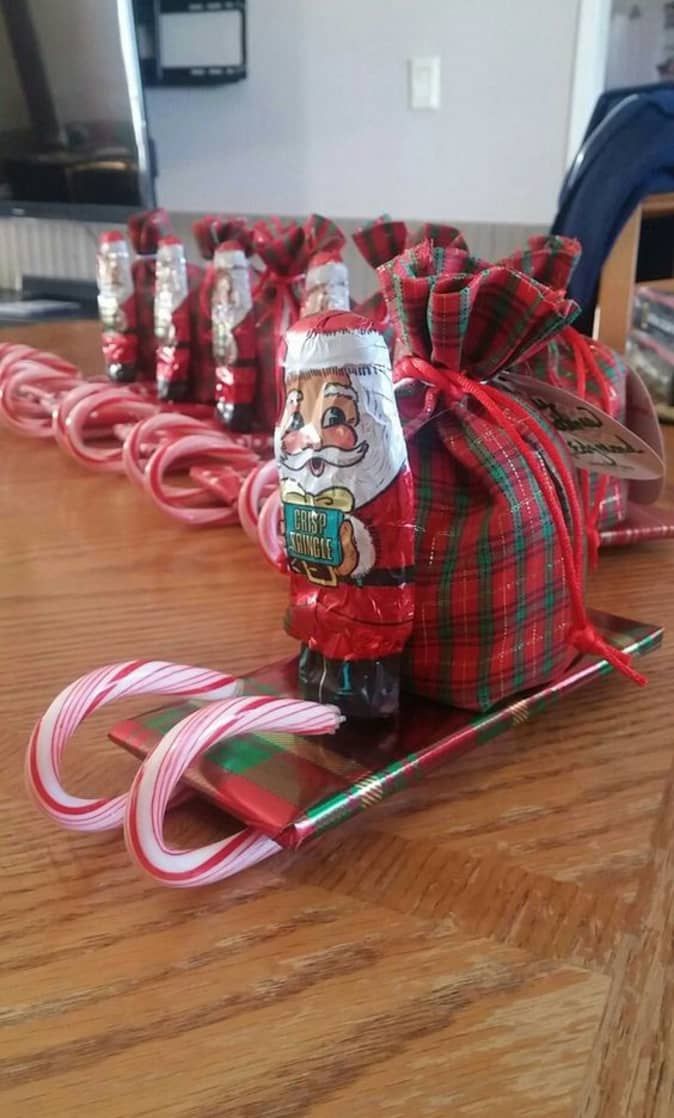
x=500 y=533
x=384 y=239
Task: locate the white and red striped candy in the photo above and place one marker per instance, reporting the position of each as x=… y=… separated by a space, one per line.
x=89 y=408
x=31 y=384
x=54 y=730
x=259 y=484
x=161 y=773
x=195 y=505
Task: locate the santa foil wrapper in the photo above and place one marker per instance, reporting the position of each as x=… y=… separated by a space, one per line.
x=145 y=231
x=348 y=513
x=172 y=325
x=233 y=337
x=117 y=307
x=327 y=285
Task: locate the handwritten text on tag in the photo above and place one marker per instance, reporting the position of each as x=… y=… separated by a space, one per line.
x=595 y=441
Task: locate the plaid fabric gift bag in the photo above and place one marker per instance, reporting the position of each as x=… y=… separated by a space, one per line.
x=590 y=369
x=500 y=532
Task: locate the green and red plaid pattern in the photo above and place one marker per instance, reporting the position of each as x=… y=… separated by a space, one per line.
x=445 y=236
x=549 y=259
x=492 y=612
x=378 y=242
x=322 y=235
x=213 y=230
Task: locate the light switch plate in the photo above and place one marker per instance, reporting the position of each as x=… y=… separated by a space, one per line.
x=424 y=82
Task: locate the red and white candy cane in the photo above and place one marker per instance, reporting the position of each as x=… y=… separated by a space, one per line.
x=54 y=730
x=14 y=355
x=269 y=534
x=195 y=505
x=151 y=433
x=91 y=407
x=28 y=397
x=161 y=772
x=256 y=488
x=31 y=384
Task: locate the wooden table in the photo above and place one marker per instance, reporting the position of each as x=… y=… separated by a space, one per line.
x=496 y=942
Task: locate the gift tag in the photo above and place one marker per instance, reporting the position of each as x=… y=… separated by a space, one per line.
x=595 y=441
x=642 y=420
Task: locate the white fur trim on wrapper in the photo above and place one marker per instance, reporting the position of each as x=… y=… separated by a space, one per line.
x=312 y=350
x=365 y=546
x=332 y=272
x=229 y=258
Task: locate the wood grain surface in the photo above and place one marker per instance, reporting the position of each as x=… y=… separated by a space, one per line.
x=494 y=943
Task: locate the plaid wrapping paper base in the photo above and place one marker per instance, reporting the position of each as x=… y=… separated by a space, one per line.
x=293 y=788
x=641 y=524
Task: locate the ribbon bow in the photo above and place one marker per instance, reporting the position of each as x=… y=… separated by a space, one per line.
x=335 y=497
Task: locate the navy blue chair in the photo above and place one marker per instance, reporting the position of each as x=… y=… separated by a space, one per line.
x=627 y=154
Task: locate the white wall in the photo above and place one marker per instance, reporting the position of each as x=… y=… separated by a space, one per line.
x=589 y=70
x=322 y=121
x=636 y=43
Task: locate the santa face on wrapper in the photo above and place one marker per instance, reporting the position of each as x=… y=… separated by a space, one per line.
x=170 y=289
x=348 y=513
x=339 y=446
x=115 y=285
x=231 y=302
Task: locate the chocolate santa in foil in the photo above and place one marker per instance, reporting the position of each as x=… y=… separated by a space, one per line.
x=117 y=307
x=326 y=287
x=348 y=513
x=234 y=339
x=172 y=325
x=145 y=231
